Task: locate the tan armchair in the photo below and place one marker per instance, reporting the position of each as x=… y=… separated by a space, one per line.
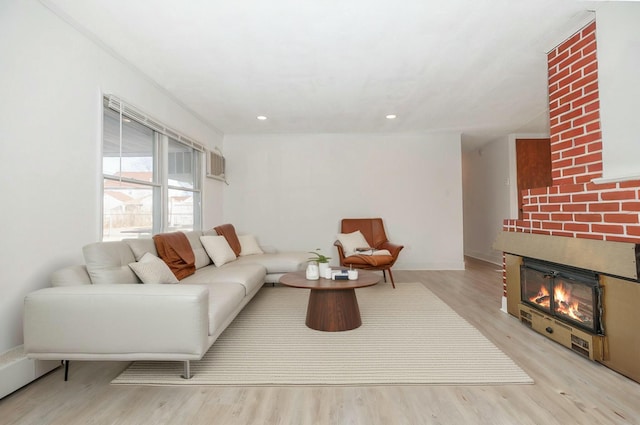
x=373 y=231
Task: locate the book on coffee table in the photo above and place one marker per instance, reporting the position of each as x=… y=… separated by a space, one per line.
x=339 y=275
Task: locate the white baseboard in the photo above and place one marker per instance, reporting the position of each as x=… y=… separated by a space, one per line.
x=16 y=370
x=489 y=258
x=429 y=266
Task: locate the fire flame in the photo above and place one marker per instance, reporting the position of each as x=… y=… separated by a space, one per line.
x=564 y=304
x=542 y=298
x=562 y=298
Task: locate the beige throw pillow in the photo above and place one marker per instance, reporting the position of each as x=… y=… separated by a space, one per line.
x=249 y=245
x=351 y=241
x=151 y=269
x=218 y=249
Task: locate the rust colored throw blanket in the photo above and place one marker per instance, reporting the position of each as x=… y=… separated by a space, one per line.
x=175 y=250
x=229 y=233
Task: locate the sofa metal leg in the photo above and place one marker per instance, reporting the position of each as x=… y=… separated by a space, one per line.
x=66 y=369
x=187 y=371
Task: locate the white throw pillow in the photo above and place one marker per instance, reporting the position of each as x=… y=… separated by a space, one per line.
x=351 y=241
x=249 y=245
x=218 y=249
x=151 y=269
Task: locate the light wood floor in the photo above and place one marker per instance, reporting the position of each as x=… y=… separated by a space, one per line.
x=568 y=389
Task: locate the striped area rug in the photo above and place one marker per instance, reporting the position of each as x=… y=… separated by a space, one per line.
x=408 y=336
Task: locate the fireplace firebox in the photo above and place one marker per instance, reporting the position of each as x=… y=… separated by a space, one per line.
x=566 y=293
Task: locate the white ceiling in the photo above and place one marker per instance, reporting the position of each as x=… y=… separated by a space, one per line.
x=473 y=66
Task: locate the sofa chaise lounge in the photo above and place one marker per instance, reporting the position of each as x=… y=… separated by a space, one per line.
x=101 y=311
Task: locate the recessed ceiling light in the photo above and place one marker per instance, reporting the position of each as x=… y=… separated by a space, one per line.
x=261 y=117
x=391 y=117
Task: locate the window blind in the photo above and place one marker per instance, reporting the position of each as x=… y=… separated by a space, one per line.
x=120 y=106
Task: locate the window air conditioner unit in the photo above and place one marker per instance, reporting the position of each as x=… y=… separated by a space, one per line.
x=216 y=166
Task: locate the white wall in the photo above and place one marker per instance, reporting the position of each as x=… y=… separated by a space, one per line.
x=618 y=38
x=490 y=193
x=487 y=201
x=291 y=191
x=52 y=79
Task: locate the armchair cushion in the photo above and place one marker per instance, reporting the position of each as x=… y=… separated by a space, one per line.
x=368 y=260
x=351 y=241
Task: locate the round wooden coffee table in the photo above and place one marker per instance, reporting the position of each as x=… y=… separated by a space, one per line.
x=333 y=305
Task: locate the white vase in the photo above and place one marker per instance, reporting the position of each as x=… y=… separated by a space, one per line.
x=323 y=269
x=313 y=273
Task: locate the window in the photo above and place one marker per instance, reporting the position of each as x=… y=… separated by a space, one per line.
x=183 y=195
x=152 y=175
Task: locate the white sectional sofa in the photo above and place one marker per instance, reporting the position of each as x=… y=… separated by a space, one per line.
x=101 y=311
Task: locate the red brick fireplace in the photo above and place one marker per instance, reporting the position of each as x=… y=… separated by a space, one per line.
x=579 y=208
x=575 y=206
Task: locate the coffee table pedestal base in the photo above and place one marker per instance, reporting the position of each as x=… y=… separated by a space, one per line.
x=333 y=310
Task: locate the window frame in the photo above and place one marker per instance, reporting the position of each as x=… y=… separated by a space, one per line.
x=160 y=185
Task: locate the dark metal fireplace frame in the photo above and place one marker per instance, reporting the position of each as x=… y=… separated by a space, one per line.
x=557 y=274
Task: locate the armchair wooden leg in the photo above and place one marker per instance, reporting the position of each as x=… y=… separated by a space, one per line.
x=391 y=277
x=384 y=275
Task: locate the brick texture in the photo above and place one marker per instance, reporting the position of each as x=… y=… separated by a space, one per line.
x=574 y=206
x=574 y=108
